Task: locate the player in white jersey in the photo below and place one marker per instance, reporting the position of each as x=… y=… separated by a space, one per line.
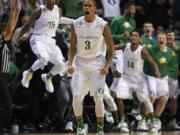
x=133 y=78
x=47 y=18
x=90 y=39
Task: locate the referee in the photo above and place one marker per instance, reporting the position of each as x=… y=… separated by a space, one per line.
x=5 y=99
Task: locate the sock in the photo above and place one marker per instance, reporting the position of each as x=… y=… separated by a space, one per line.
x=100 y=125
x=122 y=118
x=30 y=70
x=154 y=118
x=80 y=123
x=49 y=75
x=115 y=116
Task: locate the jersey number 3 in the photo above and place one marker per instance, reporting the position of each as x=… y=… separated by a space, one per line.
x=87 y=45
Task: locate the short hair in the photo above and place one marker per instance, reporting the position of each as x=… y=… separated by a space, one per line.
x=94 y=1
x=162 y=33
x=147 y=22
x=137 y=31
x=170 y=30
x=127 y=5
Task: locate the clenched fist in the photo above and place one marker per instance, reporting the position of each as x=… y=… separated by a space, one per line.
x=70 y=69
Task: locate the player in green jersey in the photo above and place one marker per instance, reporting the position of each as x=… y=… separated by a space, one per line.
x=173 y=79
x=122 y=26
x=146 y=38
x=158 y=88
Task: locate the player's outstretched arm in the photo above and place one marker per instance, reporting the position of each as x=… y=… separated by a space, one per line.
x=35 y=15
x=146 y=56
x=63 y=19
x=110 y=48
x=120 y=47
x=14 y=13
x=72 y=49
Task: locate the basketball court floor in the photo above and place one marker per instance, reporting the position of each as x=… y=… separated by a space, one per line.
x=132 y=133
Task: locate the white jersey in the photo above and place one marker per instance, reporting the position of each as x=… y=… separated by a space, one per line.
x=111 y=8
x=48 y=22
x=133 y=63
x=90 y=46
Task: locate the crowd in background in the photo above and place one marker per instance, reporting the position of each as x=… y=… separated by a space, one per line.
x=34 y=108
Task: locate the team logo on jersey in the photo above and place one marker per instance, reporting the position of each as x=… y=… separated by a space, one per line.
x=149 y=45
x=100 y=92
x=126 y=25
x=162 y=60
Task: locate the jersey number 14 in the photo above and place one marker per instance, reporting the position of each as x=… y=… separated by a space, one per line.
x=130 y=64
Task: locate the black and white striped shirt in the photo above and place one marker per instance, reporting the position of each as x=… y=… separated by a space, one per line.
x=4 y=56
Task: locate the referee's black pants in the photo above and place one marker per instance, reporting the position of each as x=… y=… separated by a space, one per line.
x=5 y=101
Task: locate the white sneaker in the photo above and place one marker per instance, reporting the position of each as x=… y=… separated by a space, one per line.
x=173 y=124
x=154 y=127
x=108 y=117
x=69 y=126
x=159 y=124
x=123 y=126
x=48 y=83
x=142 y=126
x=100 y=133
x=82 y=131
x=137 y=114
x=27 y=76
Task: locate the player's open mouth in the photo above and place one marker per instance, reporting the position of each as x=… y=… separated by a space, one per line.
x=86 y=13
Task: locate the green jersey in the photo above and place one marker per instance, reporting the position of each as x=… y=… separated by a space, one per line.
x=120 y=25
x=162 y=60
x=148 y=41
x=72 y=7
x=173 y=64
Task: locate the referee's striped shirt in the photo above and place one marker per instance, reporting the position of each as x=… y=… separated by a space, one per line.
x=4 y=56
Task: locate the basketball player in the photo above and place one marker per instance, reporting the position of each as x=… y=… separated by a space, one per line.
x=5 y=36
x=173 y=79
x=90 y=38
x=121 y=27
x=158 y=87
x=147 y=38
x=133 y=78
x=47 y=18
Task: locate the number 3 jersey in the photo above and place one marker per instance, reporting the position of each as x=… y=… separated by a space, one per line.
x=133 y=63
x=47 y=23
x=91 y=48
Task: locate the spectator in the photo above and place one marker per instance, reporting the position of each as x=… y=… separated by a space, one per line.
x=111 y=8
x=122 y=26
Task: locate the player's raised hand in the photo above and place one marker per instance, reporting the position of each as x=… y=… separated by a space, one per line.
x=70 y=69
x=16 y=4
x=104 y=71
